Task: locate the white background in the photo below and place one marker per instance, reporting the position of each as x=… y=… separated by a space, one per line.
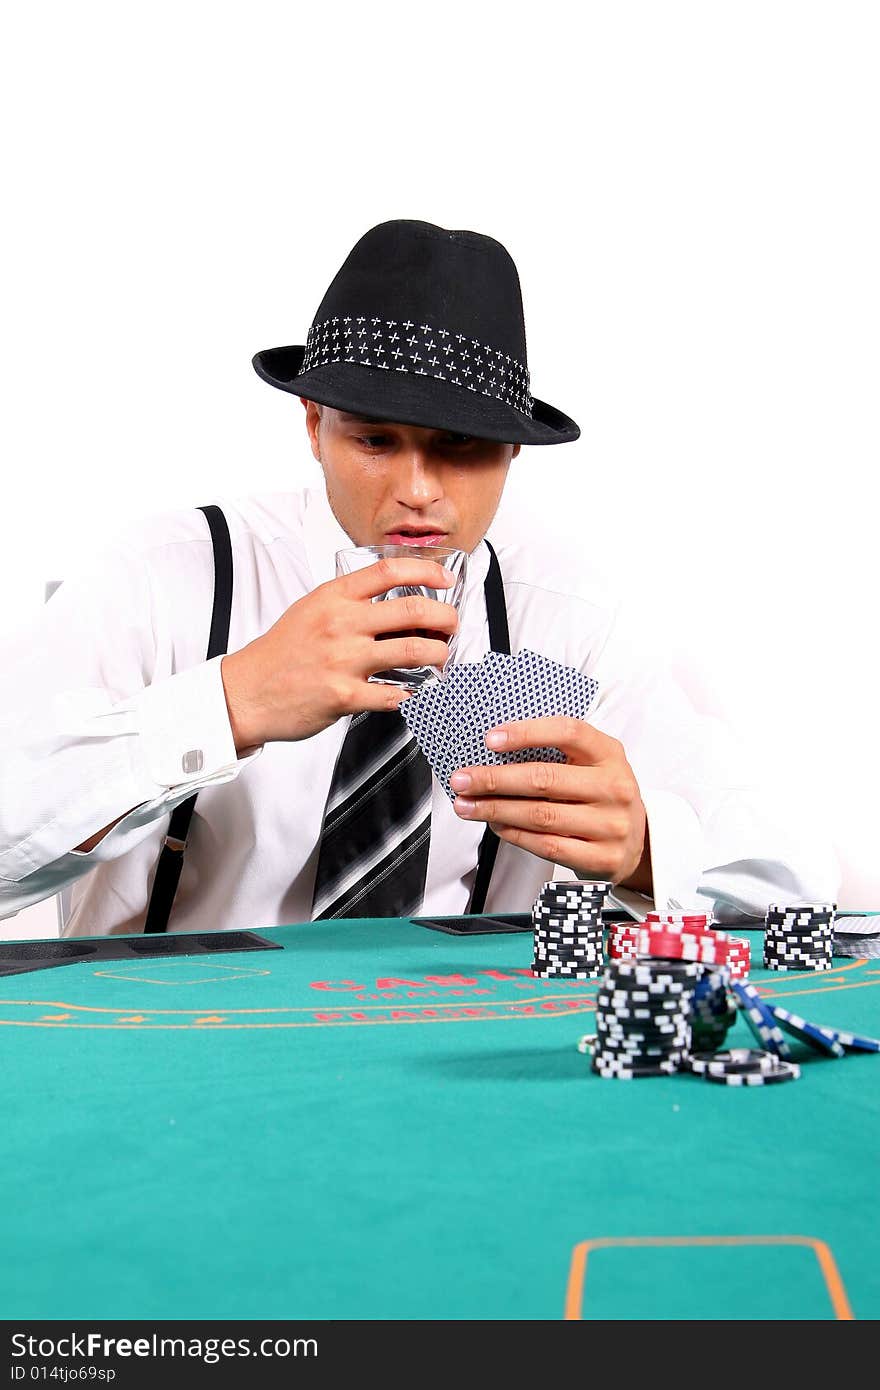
x=690 y=193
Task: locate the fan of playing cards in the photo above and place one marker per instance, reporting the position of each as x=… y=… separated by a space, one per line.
x=449 y=718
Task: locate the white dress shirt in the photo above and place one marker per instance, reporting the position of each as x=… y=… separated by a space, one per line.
x=104 y=696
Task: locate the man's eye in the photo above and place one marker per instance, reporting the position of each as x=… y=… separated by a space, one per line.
x=450 y=440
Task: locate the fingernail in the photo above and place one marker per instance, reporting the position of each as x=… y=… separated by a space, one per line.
x=497 y=738
x=460 y=781
x=464 y=807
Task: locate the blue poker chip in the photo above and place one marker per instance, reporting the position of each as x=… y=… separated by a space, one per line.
x=710 y=999
x=829 y=1039
x=853 y=1042
x=713 y=1012
x=821 y=1039
x=758 y=1016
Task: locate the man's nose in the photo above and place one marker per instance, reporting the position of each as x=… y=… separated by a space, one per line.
x=417 y=481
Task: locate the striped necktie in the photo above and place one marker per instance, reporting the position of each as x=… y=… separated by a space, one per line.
x=377 y=824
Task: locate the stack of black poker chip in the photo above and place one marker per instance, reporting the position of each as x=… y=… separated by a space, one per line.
x=568 y=927
x=799 y=937
x=643 y=1017
x=714 y=1014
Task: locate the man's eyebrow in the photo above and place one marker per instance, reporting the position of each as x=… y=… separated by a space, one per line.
x=362 y=419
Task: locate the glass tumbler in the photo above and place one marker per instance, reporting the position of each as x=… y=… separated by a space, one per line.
x=359 y=557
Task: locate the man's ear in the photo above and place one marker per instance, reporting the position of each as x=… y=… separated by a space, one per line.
x=516 y=449
x=313 y=420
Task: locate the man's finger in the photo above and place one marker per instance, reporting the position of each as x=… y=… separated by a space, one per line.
x=395 y=573
x=578 y=740
x=375 y=695
x=539 y=781
x=408 y=653
x=413 y=613
x=559 y=818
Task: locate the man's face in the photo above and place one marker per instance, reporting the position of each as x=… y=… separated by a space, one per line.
x=391 y=484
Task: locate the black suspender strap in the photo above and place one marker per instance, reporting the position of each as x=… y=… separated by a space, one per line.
x=171 y=859
x=218 y=638
x=499 y=641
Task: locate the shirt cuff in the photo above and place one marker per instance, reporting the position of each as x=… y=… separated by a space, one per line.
x=676 y=840
x=185 y=733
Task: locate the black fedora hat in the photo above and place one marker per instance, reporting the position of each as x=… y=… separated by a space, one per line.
x=423 y=326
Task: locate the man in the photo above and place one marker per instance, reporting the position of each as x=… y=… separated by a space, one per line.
x=416 y=394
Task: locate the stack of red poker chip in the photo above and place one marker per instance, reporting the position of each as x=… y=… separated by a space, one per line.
x=698 y=921
x=623 y=940
x=680 y=936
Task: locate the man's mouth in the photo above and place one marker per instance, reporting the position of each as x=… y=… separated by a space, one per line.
x=416 y=535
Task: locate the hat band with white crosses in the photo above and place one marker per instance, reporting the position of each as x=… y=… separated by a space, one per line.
x=401 y=345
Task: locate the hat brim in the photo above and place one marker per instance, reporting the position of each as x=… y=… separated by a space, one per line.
x=407 y=399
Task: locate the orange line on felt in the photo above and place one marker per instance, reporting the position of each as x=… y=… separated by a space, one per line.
x=352 y=1001
x=578 y=1271
x=820 y=974
x=826 y=982
x=574 y=1292
x=495 y=1008
x=320 y=1006
x=316 y=1023
x=834 y=1282
x=829 y=989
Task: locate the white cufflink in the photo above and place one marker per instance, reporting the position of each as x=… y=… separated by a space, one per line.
x=193 y=761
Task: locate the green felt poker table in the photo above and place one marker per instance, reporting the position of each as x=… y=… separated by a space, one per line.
x=384 y=1121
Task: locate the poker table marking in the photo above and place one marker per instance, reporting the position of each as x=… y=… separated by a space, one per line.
x=242 y=972
x=829 y=988
x=545 y=1005
x=574 y=1299
x=293 y=1167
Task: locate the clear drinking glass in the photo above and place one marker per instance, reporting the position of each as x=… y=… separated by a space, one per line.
x=359 y=557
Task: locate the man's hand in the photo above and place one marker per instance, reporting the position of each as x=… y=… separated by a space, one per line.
x=311 y=667
x=585 y=814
